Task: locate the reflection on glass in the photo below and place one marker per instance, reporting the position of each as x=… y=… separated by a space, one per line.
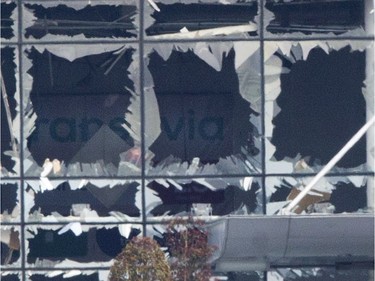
x=97 y=21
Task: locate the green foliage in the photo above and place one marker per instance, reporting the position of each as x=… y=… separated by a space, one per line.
x=189 y=250
x=141 y=260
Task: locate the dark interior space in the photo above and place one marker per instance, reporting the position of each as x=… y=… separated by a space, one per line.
x=6 y=20
x=322 y=107
x=315 y=16
x=120 y=198
x=99 y=21
x=8 y=102
x=10 y=277
x=93 y=88
x=223 y=201
x=96 y=245
x=207 y=119
x=173 y=17
x=8 y=197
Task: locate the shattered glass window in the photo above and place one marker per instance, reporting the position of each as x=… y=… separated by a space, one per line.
x=97 y=90
x=10 y=201
x=210 y=127
x=208 y=19
x=7 y=19
x=97 y=21
x=81 y=200
x=217 y=197
x=321 y=17
x=332 y=195
x=118 y=116
x=84 y=245
x=9 y=103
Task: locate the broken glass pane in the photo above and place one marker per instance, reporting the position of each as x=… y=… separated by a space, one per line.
x=316 y=94
x=50 y=246
x=207 y=120
x=308 y=17
x=7 y=22
x=10 y=246
x=81 y=277
x=85 y=200
x=205 y=197
x=331 y=195
x=76 y=118
x=10 y=198
x=9 y=142
x=188 y=17
x=93 y=21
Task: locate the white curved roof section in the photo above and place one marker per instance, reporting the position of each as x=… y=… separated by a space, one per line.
x=263 y=242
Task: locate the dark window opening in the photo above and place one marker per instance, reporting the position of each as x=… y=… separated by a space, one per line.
x=202 y=112
x=80 y=107
x=322 y=107
x=120 y=198
x=92 y=246
x=348 y=198
x=93 y=21
x=316 y=16
x=81 y=277
x=10 y=277
x=6 y=20
x=223 y=202
x=172 y=18
x=8 y=106
x=8 y=197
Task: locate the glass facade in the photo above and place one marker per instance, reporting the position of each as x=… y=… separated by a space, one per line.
x=117 y=116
